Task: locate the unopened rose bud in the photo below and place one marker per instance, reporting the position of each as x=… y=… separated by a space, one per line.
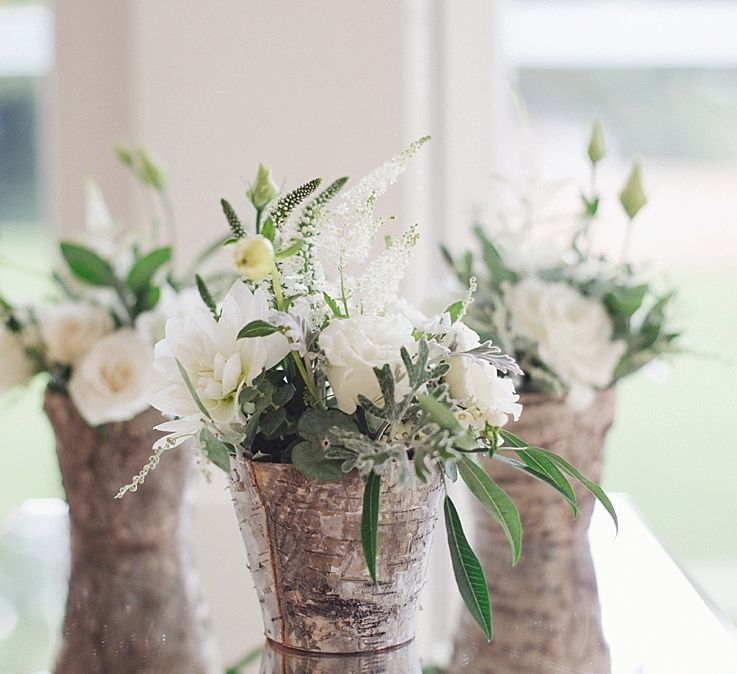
x=632 y=196
x=253 y=257
x=264 y=189
x=596 y=149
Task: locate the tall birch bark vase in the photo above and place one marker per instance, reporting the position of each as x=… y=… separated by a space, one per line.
x=305 y=554
x=134 y=602
x=577 y=436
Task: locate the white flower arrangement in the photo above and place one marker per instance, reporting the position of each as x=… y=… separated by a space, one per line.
x=111 y=297
x=306 y=362
x=575 y=320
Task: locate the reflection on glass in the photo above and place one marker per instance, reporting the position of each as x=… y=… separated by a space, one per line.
x=547 y=616
x=401 y=660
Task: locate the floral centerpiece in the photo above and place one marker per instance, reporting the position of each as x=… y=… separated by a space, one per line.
x=93 y=342
x=340 y=413
x=575 y=319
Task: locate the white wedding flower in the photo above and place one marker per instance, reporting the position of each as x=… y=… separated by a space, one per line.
x=486 y=396
x=574 y=334
x=151 y=325
x=113 y=380
x=15 y=367
x=217 y=362
x=354 y=346
x=71 y=329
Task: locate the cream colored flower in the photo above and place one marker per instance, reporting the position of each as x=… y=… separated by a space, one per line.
x=355 y=346
x=573 y=333
x=253 y=257
x=15 y=367
x=113 y=380
x=71 y=329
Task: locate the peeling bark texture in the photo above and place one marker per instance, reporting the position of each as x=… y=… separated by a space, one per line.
x=402 y=660
x=304 y=549
x=134 y=602
x=547 y=616
x=579 y=438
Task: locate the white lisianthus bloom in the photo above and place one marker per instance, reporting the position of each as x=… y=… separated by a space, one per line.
x=217 y=362
x=15 y=367
x=253 y=257
x=354 y=346
x=113 y=380
x=71 y=329
x=476 y=385
x=574 y=334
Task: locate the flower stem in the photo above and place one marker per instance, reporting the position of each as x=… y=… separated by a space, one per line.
x=342 y=292
x=277 y=288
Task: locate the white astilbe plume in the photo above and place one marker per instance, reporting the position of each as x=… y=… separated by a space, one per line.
x=346 y=233
x=379 y=285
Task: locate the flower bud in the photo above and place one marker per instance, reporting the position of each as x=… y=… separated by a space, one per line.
x=264 y=189
x=632 y=196
x=596 y=149
x=253 y=257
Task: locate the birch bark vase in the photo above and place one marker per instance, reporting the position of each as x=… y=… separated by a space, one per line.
x=401 y=660
x=577 y=436
x=134 y=603
x=547 y=616
x=304 y=550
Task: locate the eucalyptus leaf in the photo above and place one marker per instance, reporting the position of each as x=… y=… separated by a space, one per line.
x=309 y=459
x=315 y=424
x=495 y=501
x=215 y=450
x=467 y=570
x=370 y=521
x=88 y=266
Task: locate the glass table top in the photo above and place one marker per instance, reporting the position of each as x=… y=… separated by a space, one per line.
x=616 y=605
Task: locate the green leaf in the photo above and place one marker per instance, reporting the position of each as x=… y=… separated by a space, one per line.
x=370 y=522
x=308 y=458
x=233 y=220
x=206 y=296
x=594 y=488
x=467 y=570
x=191 y=389
x=626 y=301
x=272 y=421
x=495 y=501
x=148 y=173
x=513 y=440
x=455 y=310
x=88 y=266
x=247 y=659
x=333 y=305
x=147 y=299
x=290 y=250
x=215 y=449
x=315 y=424
x=144 y=269
x=268 y=230
x=439 y=412
x=257 y=328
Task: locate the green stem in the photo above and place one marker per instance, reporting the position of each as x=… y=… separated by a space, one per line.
x=277 y=288
x=120 y=292
x=307 y=379
x=259 y=213
x=342 y=292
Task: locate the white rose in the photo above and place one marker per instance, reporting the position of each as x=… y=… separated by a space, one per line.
x=574 y=334
x=15 y=367
x=217 y=362
x=113 y=380
x=71 y=329
x=354 y=346
x=476 y=385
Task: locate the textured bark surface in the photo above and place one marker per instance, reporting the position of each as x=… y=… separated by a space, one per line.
x=547 y=616
x=305 y=555
x=579 y=438
x=134 y=603
x=402 y=660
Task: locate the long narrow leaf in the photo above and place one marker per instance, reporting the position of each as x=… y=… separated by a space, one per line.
x=594 y=488
x=495 y=501
x=543 y=465
x=144 y=269
x=370 y=522
x=192 y=391
x=467 y=570
x=521 y=466
x=87 y=265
